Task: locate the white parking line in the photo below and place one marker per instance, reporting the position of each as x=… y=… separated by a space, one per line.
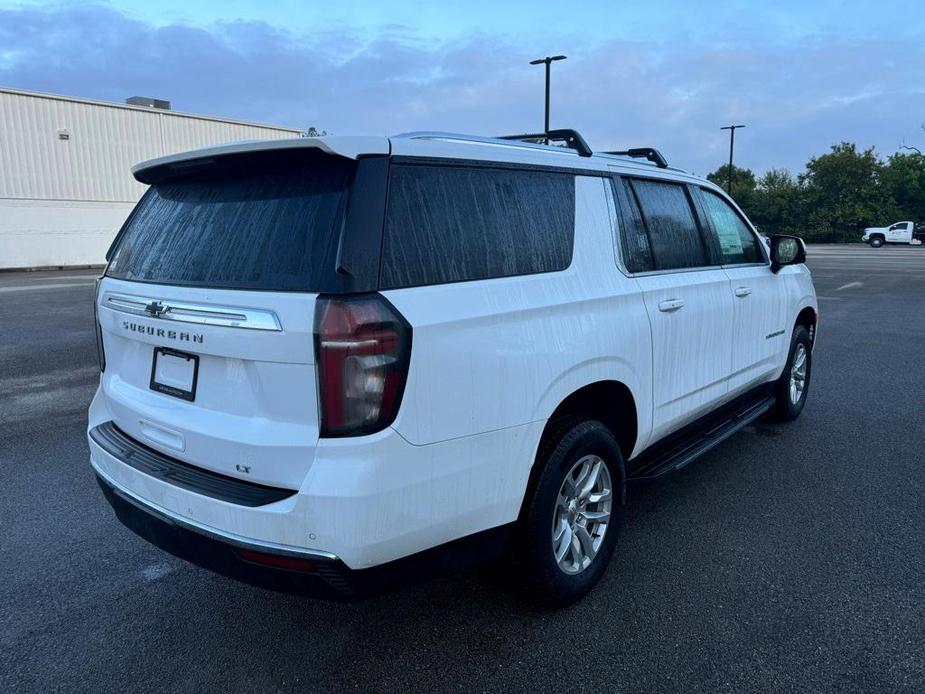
x=57 y=278
x=32 y=287
x=870 y=268
x=850 y=285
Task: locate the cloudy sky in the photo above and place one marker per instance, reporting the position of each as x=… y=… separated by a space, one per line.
x=801 y=75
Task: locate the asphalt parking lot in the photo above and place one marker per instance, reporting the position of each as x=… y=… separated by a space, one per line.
x=789 y=559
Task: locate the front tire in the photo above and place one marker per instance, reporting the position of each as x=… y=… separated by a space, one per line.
x=793 y=386
x=876 y=242
x=570 y=524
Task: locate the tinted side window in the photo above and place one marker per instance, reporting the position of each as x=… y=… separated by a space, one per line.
x=673 y=232
x=452 y=224
x=737 y=243
x=637 y=254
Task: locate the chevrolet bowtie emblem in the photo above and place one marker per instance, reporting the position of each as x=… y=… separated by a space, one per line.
x=155 y=309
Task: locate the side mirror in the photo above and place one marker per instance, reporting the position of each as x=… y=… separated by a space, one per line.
x=786 y=250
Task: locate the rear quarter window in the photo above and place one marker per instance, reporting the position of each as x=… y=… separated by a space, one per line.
x=273 y=228
x=453 y=224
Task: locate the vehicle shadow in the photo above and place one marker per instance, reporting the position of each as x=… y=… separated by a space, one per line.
x=477 y=625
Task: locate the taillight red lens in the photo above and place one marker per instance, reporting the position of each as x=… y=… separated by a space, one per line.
x=276 y=561
x=363 y=348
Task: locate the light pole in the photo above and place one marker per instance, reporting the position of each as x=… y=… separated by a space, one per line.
x=732 y=140
x=548 y=60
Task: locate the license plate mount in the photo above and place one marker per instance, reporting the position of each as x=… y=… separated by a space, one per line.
x=174 y=373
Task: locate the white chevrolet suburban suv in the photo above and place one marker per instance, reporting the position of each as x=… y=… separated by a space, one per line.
x=331 y=364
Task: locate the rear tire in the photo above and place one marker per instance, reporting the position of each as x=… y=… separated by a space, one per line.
x=793 y=386
x=876 y=242
x=570 y=524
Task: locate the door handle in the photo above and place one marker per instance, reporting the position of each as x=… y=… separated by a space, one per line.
x=742 y=291
x=670 y=305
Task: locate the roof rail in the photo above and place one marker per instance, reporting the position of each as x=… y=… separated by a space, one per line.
x=649 y=153
x=571 y=138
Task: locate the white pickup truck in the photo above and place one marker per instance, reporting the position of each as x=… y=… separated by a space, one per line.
x=901 y=232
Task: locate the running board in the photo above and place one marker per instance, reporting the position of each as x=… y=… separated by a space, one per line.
x=683 y=449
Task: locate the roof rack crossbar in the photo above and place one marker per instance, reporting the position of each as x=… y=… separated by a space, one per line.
x=649 y=153
x=571 y=138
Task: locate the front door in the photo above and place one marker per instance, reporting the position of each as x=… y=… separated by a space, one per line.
x=898 y=232
x=760 y=338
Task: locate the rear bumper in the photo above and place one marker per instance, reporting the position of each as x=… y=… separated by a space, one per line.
x=367 y=500
x=312 y=573
x=290 y=570
x=145 y=459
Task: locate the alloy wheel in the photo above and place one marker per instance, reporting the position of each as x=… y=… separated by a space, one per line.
x=798 y=373
x=582 y=514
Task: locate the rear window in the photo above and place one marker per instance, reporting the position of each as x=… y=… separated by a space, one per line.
x=259 y=228
x=637 y=251
x=674 y=236
x=452 y=224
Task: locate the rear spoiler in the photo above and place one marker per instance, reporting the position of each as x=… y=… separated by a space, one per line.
x=155 y=170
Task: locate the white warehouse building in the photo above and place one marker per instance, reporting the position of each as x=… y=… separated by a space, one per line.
x=65 y=169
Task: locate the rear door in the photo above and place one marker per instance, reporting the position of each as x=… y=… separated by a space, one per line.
x=759 y=337
x=687 y=300
x=206 y=312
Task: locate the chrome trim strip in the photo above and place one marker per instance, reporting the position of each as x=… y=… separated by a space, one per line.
x=207 y=530
x=676 y=270
x=200 y=314
x=348 y=344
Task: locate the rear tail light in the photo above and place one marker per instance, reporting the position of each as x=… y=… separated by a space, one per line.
x=362 y=348
x=100 y=354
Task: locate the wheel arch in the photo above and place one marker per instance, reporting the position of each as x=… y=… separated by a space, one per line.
x=808 y=317
x=610 y=402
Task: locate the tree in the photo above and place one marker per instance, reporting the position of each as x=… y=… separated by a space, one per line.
x=743 y=183
x=903 y=180
x=777 y=204
x=840 y=193
x=843 y=194
x=314 y=132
